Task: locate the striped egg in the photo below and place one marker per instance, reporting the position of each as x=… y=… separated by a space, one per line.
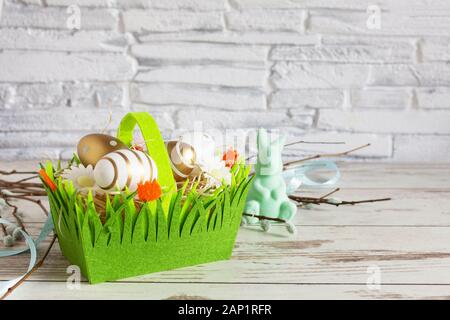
x=182 y=159
x=124 y=168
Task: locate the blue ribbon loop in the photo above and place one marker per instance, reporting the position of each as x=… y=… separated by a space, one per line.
x=31 y=246
x=300 y=175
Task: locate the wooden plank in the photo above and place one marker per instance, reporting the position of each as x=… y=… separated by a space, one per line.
x=330 y=257
x=405 y=255
x=195 y=291
x=394 y=175
x=429 y=207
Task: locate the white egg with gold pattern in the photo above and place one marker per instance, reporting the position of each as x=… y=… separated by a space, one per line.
x=124 y=168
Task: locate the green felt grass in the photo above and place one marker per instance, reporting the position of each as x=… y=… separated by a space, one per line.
x=191 y=229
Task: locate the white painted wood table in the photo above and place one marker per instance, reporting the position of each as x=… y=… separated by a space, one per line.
x=335 y=253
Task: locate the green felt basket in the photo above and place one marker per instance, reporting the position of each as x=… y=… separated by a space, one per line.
x=180 y=229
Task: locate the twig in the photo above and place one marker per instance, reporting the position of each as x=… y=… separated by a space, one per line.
x=4 y=183
x=306 y=200
x=313 y=142
x=22 y=192
x=329 y=193
x=3 y=228
x=29 y=273
x=29 y=193
x=108 y=123
x=263 y=217
x=37 y=201
x=325 y=155
x=7 y=173
x=320 y=200
x=14 y=214
x=26 y=179
x=360 y=201
x=305 y=142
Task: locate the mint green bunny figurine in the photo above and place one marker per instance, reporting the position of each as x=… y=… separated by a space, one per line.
x=267 y=196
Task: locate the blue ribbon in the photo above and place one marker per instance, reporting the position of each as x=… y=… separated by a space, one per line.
x=298 y=176
x=31 y=246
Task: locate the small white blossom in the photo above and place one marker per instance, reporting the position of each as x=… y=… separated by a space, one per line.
x=216 y=171
x=82 y=178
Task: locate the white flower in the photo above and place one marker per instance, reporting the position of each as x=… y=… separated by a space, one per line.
x=222 y=175
x=82 y=178
x=216 y=171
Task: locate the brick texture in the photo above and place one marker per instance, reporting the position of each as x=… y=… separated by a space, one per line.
x=315 y=70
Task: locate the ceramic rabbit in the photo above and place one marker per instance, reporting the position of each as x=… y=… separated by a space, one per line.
x=267 y=195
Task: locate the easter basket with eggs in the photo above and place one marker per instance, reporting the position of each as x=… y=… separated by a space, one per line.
x=120 y=211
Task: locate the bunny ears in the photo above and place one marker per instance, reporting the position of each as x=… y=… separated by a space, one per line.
x=264 y=141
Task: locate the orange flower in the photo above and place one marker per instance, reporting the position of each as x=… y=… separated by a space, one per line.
x=47 y=179
x=230 y=157
x=149 y=190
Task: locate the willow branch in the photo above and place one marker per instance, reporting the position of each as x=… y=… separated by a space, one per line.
x=28 y=178
x=3 y=228
x=329 y=193
x=263 y=217
x=36 y=201
x=22 y=187
x=7 y=173
x=325 y=155
x=4 y=183
x=25 y=193
x=359 y=201
x=303 y=200
x=14 y=214
x=304 y=142
x=313 y=142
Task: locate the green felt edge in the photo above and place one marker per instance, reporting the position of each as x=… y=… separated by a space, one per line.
x=155 y=144
x=147 y=257
x=133 y=243
x=69 y=234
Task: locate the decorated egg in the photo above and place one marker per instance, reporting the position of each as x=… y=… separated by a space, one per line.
x=93 y=147
x=182 y=159
x=203 y=144
x=124 y=168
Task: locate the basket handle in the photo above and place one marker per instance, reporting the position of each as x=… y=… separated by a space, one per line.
x=154 y=142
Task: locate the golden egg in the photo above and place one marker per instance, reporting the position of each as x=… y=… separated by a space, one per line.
x=182 y=159
x=93 y=147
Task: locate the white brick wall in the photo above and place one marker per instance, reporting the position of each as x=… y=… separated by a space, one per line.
x=313 y=68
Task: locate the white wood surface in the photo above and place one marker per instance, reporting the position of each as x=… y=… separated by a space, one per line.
x=407 y=239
